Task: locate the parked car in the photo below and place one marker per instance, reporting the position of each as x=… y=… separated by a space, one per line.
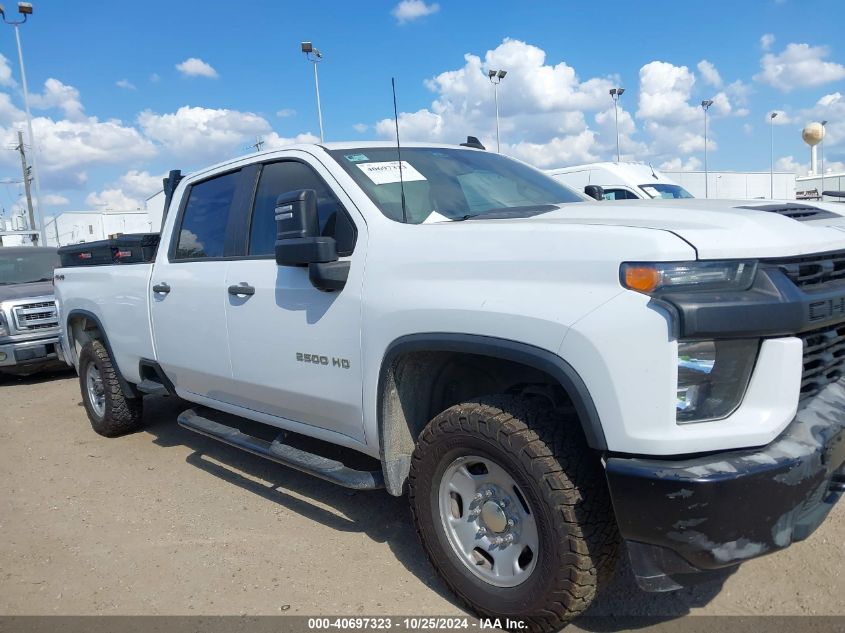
x=545 y=377
x=620 y=181
x=29 y=326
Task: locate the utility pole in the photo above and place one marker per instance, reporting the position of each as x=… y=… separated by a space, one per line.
x=26 y=188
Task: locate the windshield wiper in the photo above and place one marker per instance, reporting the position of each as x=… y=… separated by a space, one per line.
x=500 y=213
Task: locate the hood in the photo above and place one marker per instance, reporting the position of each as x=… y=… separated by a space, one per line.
x=717 y=229
x=26 y=291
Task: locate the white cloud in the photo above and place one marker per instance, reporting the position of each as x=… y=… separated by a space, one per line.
x=748 y=128
x=9 y=113
x=203 y=135
x=360 y=127
x=155 y=78
x=285 y=113
x=113 y=199
x=195 y=67
x=410 y=10
x=208 y=135
x=799 y=66
x=782 y=118
x=6 y=78
x=678 y=164
x=130 y=191
x=543 y=107
x=788 y=163
x=55 y=200
x=57 y=95
x=766 y=41
x=828 y=100
x=125 y=84
x=709 y=74
x=665 y=90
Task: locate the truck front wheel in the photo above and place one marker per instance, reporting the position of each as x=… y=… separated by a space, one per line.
x=513 y=511
x=110 y=411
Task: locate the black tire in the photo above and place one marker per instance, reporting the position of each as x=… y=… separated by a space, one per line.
x=121 y=414
x=564 y=485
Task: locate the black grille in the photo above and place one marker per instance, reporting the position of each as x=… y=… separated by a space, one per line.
x=824 y=359
x=813 y=271
x=800 y=212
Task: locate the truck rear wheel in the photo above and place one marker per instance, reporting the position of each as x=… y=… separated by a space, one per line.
x=110 y=411
x=513 y=511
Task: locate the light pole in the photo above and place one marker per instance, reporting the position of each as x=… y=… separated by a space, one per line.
x=25 y=9
x=772 y=118
x=314 y=56
x=705 y=105
x=615 y=93
x=822 y=144
x=496 y=77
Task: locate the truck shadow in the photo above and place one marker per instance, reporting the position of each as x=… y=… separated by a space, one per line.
x=383 y=518
x=387 y=519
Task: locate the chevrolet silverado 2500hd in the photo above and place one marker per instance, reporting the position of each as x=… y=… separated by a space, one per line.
x=29 y=326
x=545 y=377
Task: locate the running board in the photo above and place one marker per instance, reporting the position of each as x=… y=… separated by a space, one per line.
x=279 y=452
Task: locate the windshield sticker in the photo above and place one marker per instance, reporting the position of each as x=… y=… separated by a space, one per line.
x=356 y=158
x=388 y=172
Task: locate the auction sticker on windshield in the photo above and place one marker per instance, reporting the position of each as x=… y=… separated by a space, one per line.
x=387 y=172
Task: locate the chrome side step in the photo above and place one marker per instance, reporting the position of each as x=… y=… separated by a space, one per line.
x=279 y=452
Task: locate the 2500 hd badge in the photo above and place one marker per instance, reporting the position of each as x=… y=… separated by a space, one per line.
x=318 y=359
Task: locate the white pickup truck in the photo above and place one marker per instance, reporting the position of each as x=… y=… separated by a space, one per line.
x=547 y=378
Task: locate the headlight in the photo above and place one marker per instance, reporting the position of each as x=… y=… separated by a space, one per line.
x=713 y=377
x=652 y=278
x=4 y=327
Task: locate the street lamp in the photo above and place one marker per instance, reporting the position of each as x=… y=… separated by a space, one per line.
x=315 y=56
x=25 y=9
x=772 y=118
x=615 y=93
x=496 y=77
x=822 y=144
x=706 y=106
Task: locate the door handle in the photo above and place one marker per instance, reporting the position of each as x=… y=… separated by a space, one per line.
x=161 y=289
x=242 y=290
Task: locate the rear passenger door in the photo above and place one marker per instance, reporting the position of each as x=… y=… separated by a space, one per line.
x=188 y=296
x=295 y=350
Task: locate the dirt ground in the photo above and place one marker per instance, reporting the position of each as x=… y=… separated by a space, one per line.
x=168 y=522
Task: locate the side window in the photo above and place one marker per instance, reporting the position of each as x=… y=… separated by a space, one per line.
x=279 y=178
x=203 y=230
x=619 y=194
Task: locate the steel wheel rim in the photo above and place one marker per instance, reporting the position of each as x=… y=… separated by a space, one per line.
x=488 y=522
x=96 y=390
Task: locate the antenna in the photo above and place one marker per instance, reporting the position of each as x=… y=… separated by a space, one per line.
x=399 y=151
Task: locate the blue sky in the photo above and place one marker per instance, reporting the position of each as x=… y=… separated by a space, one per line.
x=113 y=112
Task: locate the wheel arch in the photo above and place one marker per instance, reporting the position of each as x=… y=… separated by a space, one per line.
x=82 y=326
x=400 y=419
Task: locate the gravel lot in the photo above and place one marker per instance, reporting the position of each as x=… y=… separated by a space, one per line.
x=168 y=522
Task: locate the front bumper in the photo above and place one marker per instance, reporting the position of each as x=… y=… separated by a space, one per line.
x=26 y=355
x=683 y=520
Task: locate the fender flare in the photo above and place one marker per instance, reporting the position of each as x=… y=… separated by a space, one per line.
x=127 y=388
x=505 y=349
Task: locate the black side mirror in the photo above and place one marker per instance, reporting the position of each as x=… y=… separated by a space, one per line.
x=299 y=243
x=594 y=191
x=298 y=239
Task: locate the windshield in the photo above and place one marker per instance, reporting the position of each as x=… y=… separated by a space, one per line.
x=660 y=190
x=20 y=267
x=449 y=184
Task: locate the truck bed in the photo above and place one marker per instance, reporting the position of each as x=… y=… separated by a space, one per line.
x=131 y=248
x=117 y=295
